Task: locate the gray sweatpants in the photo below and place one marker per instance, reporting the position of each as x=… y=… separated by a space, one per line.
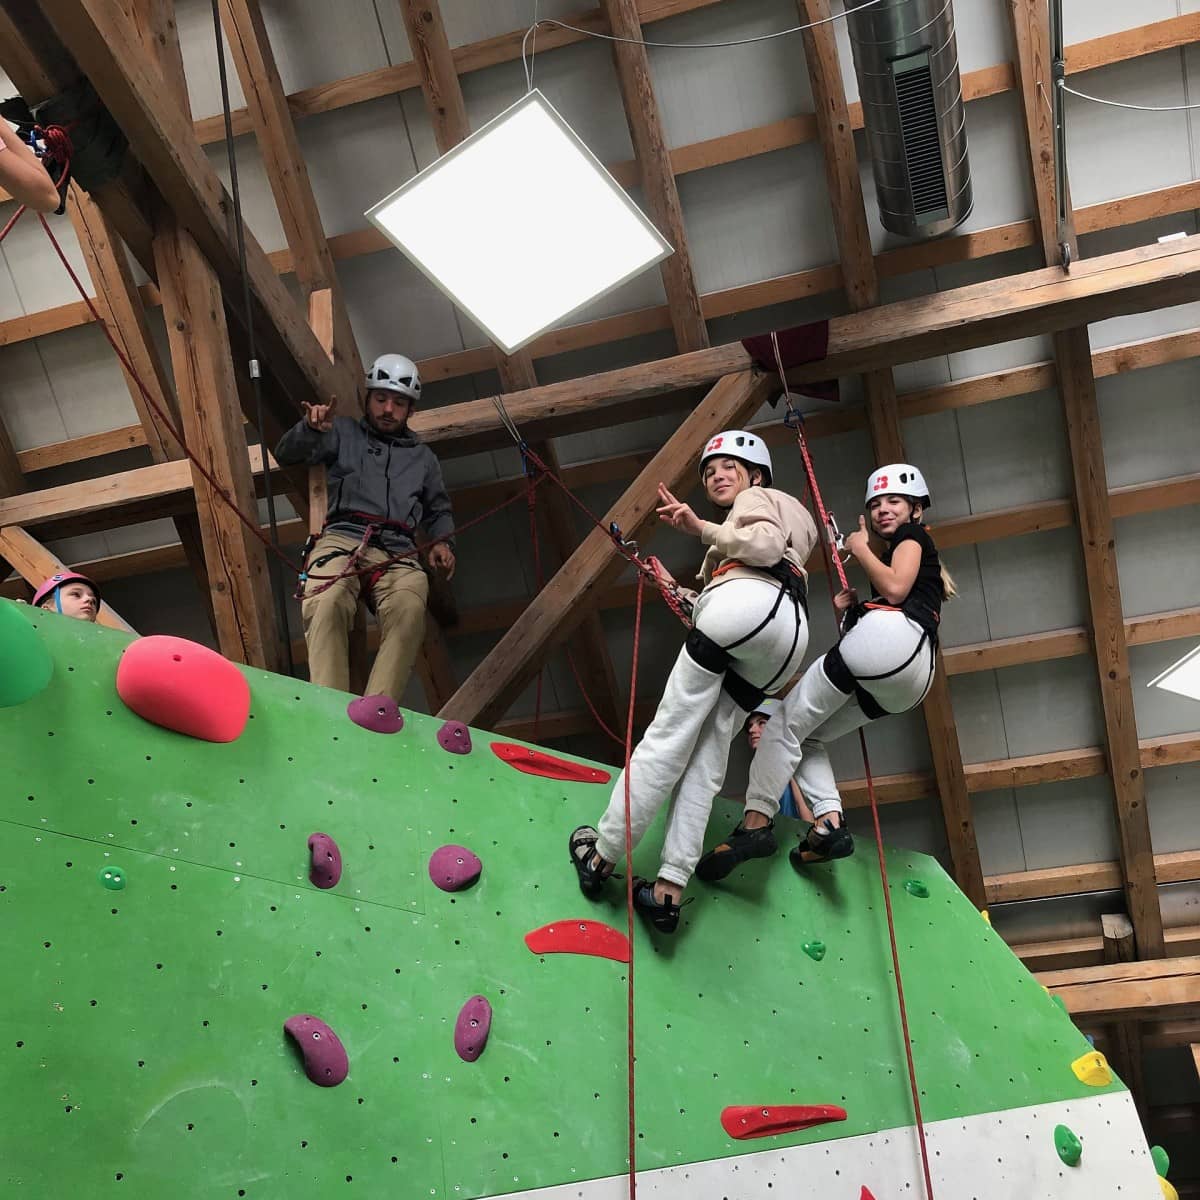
x=816 y=712
x=685 y=749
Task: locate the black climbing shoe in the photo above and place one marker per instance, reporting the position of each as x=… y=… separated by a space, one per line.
x=663 y=916
x=741 y=845
x=592 y=877
x=822 y=844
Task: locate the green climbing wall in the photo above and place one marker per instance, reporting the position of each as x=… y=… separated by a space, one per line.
x=141 y=1034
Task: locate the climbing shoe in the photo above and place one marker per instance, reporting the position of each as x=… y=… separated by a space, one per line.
x=821 y=844
x=663 y=915
x=740 y=846
x=592 y=874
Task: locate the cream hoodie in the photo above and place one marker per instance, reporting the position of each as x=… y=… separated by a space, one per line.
x=763 y=526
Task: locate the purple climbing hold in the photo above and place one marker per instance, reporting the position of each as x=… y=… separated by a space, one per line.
x=325 y=1061
x=379 y=714
x=326 y=867
x=455 y=737
x=472 y=1028
x=453 y=868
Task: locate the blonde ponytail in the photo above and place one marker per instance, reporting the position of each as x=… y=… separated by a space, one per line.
x=949 y=591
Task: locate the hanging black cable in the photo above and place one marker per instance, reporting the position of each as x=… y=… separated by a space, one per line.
x=255 y=373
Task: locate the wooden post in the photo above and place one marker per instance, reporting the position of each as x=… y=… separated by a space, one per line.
x=35 y=564
x=577 y=588
x=1125 y=1037
x=1077 y=388
x=653 y=159
x=883 y=415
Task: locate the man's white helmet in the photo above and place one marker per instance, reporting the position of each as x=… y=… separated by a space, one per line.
x=395 y=373
x=744 y=446
x=898 y=479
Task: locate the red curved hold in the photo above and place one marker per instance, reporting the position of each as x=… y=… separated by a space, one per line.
x=760 y=1120
x=534 y=762
x=580 y=937
x=865 y=1194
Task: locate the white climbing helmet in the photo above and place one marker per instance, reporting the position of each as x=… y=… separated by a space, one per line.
x=898 y=479
x=746 y=447
x=395 y=373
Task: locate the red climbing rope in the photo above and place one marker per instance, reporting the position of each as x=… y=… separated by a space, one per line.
x=834 y=565
x=11 y=222
x=633 y=672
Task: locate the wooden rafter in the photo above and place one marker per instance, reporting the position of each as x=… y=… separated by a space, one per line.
x=1141 y=991
x=1125 y=1037
x=447 y=111
x=284 y=166
x=653 y=160
x=35 y=564
x=883 y=414
x=1077 y=388
x=575 y=590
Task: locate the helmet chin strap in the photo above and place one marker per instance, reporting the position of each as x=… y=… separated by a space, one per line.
x=58 y=598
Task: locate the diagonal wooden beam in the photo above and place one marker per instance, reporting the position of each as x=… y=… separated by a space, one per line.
x=653 y=159
x=447 y=111
x=34 y=563
x=576 y=589
x=1077 y=389
x=283 y=162
x=883 y=413
x=67 y=38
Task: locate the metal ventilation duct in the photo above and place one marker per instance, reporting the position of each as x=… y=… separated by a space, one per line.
x=906 y=60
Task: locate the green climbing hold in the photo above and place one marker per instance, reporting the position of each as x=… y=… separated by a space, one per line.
x=113 y=878
x=914 y=887
x=1161 y=1160
x=25 y=664
x=815 y=950
x=1060 y=1002
x=1069 y=1147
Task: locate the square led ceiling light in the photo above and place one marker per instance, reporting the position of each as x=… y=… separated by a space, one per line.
x=520 y=224
x=1183 y=678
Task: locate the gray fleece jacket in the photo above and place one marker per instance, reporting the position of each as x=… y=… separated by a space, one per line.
x=394 y=477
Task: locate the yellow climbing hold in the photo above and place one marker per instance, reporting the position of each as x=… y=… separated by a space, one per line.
x=987 y=916
x=1092 y=1068
x=1167 y=1190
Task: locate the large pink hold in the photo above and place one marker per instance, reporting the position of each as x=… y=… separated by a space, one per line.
x=326 y=867
x=453 y=868
x=325 y=1061
x=379 y=714
x=472 y=1028
x=184 y=686
x=455 y=737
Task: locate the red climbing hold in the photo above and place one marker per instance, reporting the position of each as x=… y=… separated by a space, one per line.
x=865 y=1194
x=184 y=686
x=755 y=1121
x=579 y=937
x=534 y=762
x=325 y=868
x=325 y=1060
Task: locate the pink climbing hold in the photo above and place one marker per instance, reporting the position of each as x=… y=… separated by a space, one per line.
x=535 y=762
x=453 y=868
x=325 y=1061
x=472 y=1028
x=455 y=737
x=379 y=714
x=185 y=687
x=326 y=867
x=579 y=937
x=755 y=1121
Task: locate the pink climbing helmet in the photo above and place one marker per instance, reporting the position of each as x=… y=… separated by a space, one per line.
x=61 y=579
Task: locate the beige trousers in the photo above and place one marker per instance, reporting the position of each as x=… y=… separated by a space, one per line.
x=401 y=593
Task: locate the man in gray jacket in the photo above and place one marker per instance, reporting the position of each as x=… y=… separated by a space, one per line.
x=384 y=484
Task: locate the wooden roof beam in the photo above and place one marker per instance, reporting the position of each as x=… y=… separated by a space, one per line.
x=861 y=284
x=285 y=169
x=1077 y=388
x=1139 y=991
x=653 y=161
x=66 y=38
